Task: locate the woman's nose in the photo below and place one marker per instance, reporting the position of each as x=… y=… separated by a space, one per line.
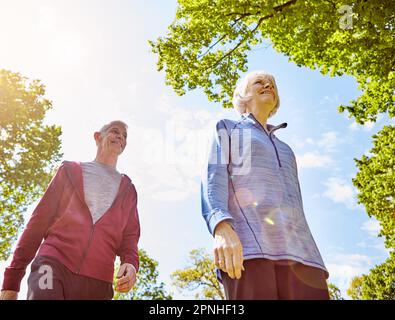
x=268 y=85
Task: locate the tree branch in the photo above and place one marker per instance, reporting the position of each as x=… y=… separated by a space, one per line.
x=220 y=39
x=276 y=9
x=279 y=8
x=282 y=6
x=237 y=46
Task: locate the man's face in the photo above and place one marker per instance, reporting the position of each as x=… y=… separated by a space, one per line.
x=113 y=140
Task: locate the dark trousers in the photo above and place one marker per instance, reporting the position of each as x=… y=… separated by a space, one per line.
x=265 y=279
x=51 y=280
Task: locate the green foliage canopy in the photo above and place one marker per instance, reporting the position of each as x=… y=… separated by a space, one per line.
x=207 y=45
x=29 y=151
x=147 y=286
x=376 y=182
x=379 y=284
x=199 y=277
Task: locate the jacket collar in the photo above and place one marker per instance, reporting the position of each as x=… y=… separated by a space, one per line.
x=74 y=173
x=271 y=128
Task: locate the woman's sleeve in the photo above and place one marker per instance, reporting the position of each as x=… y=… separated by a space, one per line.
x=215 y=180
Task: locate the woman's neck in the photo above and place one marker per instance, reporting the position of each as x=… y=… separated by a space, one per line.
x=261 y=117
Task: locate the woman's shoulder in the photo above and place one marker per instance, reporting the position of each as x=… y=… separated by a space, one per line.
x=228 y=124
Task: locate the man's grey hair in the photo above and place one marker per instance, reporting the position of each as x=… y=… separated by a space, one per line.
x=240 y=95
x=115 y=122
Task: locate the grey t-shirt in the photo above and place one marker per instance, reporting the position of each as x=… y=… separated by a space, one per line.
x=101 y=184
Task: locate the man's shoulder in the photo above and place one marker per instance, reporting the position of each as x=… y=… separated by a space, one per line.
x=125 y=176
x=129 y=183
x=69 y=163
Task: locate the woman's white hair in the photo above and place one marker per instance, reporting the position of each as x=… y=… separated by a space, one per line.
x=241 y=98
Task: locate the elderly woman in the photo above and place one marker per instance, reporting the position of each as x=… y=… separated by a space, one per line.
x=252 y=204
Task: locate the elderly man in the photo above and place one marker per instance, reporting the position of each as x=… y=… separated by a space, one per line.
x=252 y=204
x=87 y=216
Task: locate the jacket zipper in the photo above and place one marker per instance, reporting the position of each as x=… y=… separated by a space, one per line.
x=275 y=149
x=92 y=230
x=86 y=249
x=270 y=138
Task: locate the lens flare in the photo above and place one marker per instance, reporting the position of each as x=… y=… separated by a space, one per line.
x=269 y=221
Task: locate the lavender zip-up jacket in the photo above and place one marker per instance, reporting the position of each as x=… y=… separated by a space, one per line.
x=251 y=181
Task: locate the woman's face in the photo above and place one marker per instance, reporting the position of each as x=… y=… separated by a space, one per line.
x=262 y=91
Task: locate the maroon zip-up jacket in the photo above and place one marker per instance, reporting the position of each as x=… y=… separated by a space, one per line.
x=64 y=221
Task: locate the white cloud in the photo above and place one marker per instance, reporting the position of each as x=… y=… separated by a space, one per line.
x=334 y=98
x=372 y=227
x=377 y=244
x=321 y=157
x=368 y=126
x=313 y=160
x=340 y=191
x=329 y=140
x=353 y=126
x=309 y=141
x=326 y=143
x=343 y=267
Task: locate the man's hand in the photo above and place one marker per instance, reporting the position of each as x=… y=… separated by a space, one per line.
x=126 y=278
x=228 y=251
x=8 y=295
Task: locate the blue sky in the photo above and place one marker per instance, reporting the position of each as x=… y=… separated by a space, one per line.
x=94 y=58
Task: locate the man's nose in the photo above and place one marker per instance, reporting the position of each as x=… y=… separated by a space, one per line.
x=120 y=137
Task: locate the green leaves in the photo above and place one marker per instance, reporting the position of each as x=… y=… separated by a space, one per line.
x=199 y=277
x=379 y=284
x=147 y=286
x=207 y=45
x=334 y=292
x=29 y=151
x=376 y=182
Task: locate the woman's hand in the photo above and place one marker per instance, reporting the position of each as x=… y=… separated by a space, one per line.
x=228 y=251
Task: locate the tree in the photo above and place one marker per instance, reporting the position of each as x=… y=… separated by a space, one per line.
x=29 y=151
x=355 y=289
x=207 y=44
x=147 y=286
x=376 y=182
x=379 y=284
x=200 y=276
x=334 y=292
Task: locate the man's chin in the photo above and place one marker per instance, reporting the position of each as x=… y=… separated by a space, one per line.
x=116 y=152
